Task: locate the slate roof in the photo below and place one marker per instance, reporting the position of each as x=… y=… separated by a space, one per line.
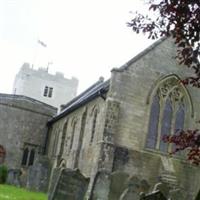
x=98 y=89
x=25 y=98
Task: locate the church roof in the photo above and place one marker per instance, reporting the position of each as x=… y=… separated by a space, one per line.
x=27 y=103
x=140 y=55
x=98 y=89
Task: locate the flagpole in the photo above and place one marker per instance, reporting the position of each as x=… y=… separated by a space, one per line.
x=36 y=51
x=34 y=55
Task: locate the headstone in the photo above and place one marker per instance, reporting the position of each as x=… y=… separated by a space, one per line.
x=177 y=194
x=118 y=184
x=14 y=177
x=71 y=185
x=132 y=191
x=54 y=180
x=163 y=188
x=38 y=175
x=157 y=195
x=125 y=186
x=101 y=186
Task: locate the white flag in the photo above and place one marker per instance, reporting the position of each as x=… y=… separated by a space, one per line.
x=42 y=43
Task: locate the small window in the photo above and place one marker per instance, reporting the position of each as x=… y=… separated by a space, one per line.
x=48 y=92
x=45 y=91
x=31 y=158
x=25 y=156
x=28 y=155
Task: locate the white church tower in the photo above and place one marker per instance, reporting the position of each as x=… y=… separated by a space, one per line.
x=52 y=89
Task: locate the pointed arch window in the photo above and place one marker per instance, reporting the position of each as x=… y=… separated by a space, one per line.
x=167 y=113
x=72 y=134
x=94 y=122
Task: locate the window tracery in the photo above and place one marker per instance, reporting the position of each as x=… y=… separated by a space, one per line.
x=167 y=113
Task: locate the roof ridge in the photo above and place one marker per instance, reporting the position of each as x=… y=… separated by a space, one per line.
x=25 y=98
x=82 y=93
x=140 y=55
x=102 y=87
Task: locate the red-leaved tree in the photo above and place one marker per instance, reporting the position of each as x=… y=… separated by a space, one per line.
x=179 y=19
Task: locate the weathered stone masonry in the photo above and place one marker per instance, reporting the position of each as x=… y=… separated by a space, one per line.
x=123 y=127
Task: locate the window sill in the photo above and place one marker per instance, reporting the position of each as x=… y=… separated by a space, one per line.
x=160 y=153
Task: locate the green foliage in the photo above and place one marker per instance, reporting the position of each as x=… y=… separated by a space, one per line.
x=198 y=196
x=8 y=192
x=3 y=173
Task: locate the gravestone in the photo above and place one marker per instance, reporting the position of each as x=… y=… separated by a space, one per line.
x=157 y=195
x=71 y=185
x=38 y=175
x=14 y=177
x=177 y=194
x=118 y=184
x=132 y=191
x=163 y=188
x=125 y=186
x=54 y=180
x=101 y=186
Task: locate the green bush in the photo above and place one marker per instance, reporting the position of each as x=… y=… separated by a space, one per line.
x=3 y=173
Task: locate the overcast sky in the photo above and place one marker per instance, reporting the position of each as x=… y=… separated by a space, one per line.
x=84 y=38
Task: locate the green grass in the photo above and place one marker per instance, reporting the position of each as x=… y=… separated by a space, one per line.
x=8 y=192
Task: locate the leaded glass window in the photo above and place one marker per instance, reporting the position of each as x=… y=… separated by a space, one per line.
x=167 y=113
x=153 y=123
x=166 y=125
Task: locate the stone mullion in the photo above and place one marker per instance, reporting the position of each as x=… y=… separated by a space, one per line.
x=28 y=157
x=174 y=111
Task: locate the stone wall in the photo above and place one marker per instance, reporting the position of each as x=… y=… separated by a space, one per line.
x=119 y=143
x=133 y=85
x=22 y=125
x=79 y=144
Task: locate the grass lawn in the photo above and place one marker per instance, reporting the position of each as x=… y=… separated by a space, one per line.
x=8 y=192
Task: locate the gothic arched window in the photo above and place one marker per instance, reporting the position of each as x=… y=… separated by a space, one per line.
x=94 y=122
x=167 y=112
x=72 y=133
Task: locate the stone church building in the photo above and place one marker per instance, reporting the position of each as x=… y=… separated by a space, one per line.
x=22 y=129
x=116 y=126
x=113 y=131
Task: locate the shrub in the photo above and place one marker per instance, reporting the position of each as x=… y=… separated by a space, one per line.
x=3 y=173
